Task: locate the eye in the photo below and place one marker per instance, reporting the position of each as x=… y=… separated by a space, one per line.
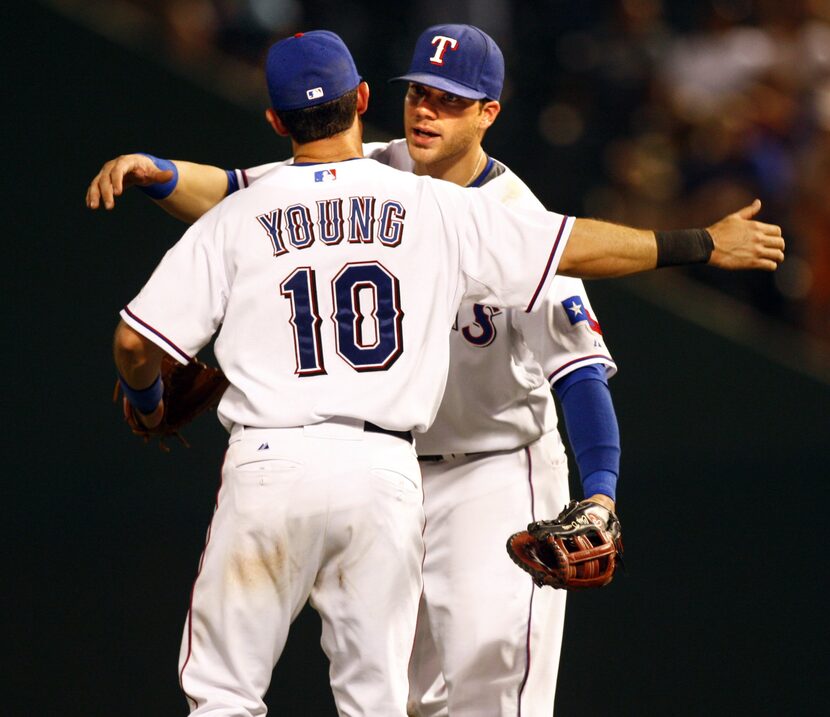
x=450 y=99
x=417 y=90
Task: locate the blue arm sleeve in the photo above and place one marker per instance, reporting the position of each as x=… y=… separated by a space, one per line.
x=592 y=428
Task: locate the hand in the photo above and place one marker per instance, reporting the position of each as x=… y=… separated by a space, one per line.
x=603 y=500
x=122 y=172
x=741 y=243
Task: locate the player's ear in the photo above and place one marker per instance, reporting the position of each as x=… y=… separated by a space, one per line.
x=276 y=123
x=362 y=98
x=489 y=111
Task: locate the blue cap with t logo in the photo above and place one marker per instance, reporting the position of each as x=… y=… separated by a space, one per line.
x=460 y=59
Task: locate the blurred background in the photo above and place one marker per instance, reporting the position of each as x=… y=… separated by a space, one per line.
x=651 y=113
x=659 y=114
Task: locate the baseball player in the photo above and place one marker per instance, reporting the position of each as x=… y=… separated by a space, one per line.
x=494 y=450
x=331 y=280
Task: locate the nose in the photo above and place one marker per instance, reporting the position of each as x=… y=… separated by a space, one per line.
x=423 y=108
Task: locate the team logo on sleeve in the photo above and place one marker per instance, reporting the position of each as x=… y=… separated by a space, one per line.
x=325 y=175
x=577 y=311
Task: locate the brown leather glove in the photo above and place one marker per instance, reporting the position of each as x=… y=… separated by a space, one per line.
x=189 y=390
x=578 y=549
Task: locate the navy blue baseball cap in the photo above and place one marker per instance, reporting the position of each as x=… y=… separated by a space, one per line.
x=460 y=59
x=308 y=69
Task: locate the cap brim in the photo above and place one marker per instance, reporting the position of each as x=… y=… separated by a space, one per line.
x=441 y=83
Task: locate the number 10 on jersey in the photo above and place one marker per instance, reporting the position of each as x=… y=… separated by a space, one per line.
x=367 y=317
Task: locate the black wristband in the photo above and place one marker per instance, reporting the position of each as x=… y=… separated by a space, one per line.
x=683 y=246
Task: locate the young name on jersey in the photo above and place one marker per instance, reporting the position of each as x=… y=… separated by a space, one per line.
x=361 y=219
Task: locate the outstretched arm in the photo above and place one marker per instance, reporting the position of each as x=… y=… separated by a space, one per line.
x=197 y=188
x=599 y=249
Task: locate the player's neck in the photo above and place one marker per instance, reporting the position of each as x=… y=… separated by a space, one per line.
x=461 y=171
x=340 y=147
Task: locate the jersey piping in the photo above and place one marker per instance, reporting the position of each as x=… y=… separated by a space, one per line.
x=492 y=169
x=145 y=330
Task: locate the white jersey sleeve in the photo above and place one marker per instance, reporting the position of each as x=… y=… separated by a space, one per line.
x=564 y=334
x=196 y=262
x=496 y=269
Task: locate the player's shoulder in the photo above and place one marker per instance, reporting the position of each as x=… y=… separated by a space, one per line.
x=505 y=186
x=394 y=174
x=378 y=170
x=393 y=154
x=286 y=179
x=262 y=183
x=246 y=177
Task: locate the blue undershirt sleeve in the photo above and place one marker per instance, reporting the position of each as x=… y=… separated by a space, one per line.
x=233 y=181
x=592 y=428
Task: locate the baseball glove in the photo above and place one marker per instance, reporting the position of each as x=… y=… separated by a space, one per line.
x=578 y=549
x=189 y=390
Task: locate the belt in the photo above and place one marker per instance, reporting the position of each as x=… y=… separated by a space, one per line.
x=367 y=426
x=372 y=428
x=434 y=458
x=437 y=457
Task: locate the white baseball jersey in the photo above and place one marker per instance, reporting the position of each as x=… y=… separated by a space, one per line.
x=502 y=361
x=335 y=286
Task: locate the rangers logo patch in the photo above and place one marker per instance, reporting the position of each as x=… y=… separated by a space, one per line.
x=576 y=311
x=325 y=175
x=441 y=43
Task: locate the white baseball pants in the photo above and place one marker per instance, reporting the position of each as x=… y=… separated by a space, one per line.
x=488 y=641
x=327 y=513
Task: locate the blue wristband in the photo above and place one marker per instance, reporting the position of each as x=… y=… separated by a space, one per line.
x=161 y=190
x=144 y=400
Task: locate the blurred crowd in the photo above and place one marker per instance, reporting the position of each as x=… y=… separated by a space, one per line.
x=647 y=112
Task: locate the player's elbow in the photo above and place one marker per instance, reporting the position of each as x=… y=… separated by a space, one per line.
x=580 y=258
x=130 y=349
x=569 y=265
x=581 y=264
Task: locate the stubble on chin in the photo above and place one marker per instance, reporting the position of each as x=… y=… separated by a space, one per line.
x=418 y=154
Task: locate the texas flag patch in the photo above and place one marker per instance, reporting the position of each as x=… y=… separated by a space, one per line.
x=577 y=311
x=325 y=175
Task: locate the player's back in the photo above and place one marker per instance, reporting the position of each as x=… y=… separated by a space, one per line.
x=346 y=281
x=343 y=279
x=335 y=287
x=513 y=406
